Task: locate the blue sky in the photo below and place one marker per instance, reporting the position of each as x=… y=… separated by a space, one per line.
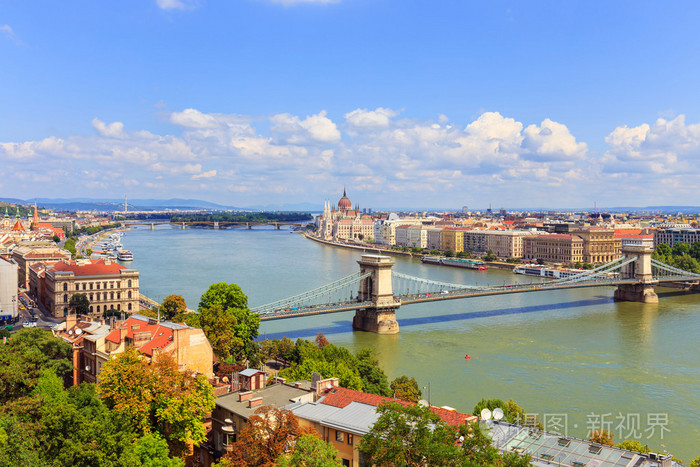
x=407 y=103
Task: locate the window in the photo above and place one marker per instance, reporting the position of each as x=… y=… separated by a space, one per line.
x=339 y=436
x=119 y=285
x=90 y=308
x=98 y=308
x=129 y=294
x=119 y=295
x=346 y=462
x=65 y=298
x=129 y=306
x=128 y=283
x=90 y=297
x=119 y=307
x=105 y=285
x=350 y=439
x=111 y=295
x=97 y=286
x=65 y=286
x=84 y=285
x=90 y=285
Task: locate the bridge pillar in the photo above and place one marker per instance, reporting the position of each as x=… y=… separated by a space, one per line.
x=216 y=225
x=381 y=316
x=643 y=290
x=277 y=226
x=183 y=226
x=248 y=226
x=153 y=226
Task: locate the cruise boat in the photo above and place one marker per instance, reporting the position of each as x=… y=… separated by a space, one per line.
x=456 y=262
x=124 y=255
x=544 y=271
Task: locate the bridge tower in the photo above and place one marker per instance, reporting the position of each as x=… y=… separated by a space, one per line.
x=643 y=290
x=381 y=316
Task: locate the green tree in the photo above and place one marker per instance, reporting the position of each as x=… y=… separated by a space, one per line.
x=695 y=462
x=23 y=359
x=449 y=253
x=243 y=325
x=663 y=249
x=373 y=378
x=695 y=250
x=219 y=326
x=79 y=304
x=435 y=252
x=409 y=436
x=406 y=389
x=56 y=238
x=680 y=249
x=633 y=445
x=476 y=445
x=310 y=451
x=490 y=256
x=157 y=397
x=173 y=305
x=152 y=451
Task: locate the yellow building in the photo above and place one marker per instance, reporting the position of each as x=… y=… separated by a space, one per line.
x=452 y=239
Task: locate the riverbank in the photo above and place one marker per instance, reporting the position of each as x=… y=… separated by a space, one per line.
x=377 y=250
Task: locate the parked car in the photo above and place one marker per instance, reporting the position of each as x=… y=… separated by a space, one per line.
x=29 y=324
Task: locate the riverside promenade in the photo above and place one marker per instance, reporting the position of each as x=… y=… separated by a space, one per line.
x=388 y=251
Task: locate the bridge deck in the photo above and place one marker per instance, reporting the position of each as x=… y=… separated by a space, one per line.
x=453 y=295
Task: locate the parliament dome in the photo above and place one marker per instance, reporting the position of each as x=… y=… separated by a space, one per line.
x=344 y=204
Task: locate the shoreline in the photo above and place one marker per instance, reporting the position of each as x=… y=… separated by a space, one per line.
x=494 y=264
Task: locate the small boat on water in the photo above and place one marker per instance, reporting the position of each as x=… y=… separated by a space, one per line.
x=125 y=255
x=456 y=262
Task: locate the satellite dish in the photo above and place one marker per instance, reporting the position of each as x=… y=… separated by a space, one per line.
x=78 y=332
x=486 y=414
x=423 y=403
x=497 y=413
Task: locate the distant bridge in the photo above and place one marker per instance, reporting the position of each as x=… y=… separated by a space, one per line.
x=213 y=224
x=376 y=292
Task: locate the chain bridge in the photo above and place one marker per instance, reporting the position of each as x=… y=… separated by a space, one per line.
x=376 y=292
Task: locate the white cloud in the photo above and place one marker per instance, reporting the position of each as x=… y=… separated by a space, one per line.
x=552 y=141
x=113 y=130
x=207 y=174
x=7 y=31
x=176 y=4
x=370 y=119
x=314 y=128
x=297 y=2
x=192 y=118
x=493 y=156
x=665 y=147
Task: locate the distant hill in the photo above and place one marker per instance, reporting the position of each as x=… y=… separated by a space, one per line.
x=90 y=204
x=299 y=207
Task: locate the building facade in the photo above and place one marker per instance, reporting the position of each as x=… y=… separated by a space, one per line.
x=671 y=236
x=344 y=222
x=553 y=248
x=108 y=286
x=9 y=301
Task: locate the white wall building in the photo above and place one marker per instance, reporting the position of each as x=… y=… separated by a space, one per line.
x=9 y=301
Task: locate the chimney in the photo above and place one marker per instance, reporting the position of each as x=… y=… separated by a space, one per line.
x=244 y=396
x=71 y=320
x=255 y=402
x=123 y=331
x=326 y=384
x=297 y=384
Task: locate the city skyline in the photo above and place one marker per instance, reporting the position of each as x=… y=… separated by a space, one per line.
x=274 y=102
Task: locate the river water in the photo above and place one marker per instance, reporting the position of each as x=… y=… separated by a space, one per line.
x=570 y=356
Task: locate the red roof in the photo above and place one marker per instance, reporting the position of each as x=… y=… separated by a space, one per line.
x=94 y=268
x=18 y=227
x=160 y=336
x=342 y=397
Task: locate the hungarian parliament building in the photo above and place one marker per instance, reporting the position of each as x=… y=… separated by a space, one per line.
x=344 y=222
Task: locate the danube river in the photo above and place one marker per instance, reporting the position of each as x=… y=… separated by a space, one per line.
x=572 y=356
